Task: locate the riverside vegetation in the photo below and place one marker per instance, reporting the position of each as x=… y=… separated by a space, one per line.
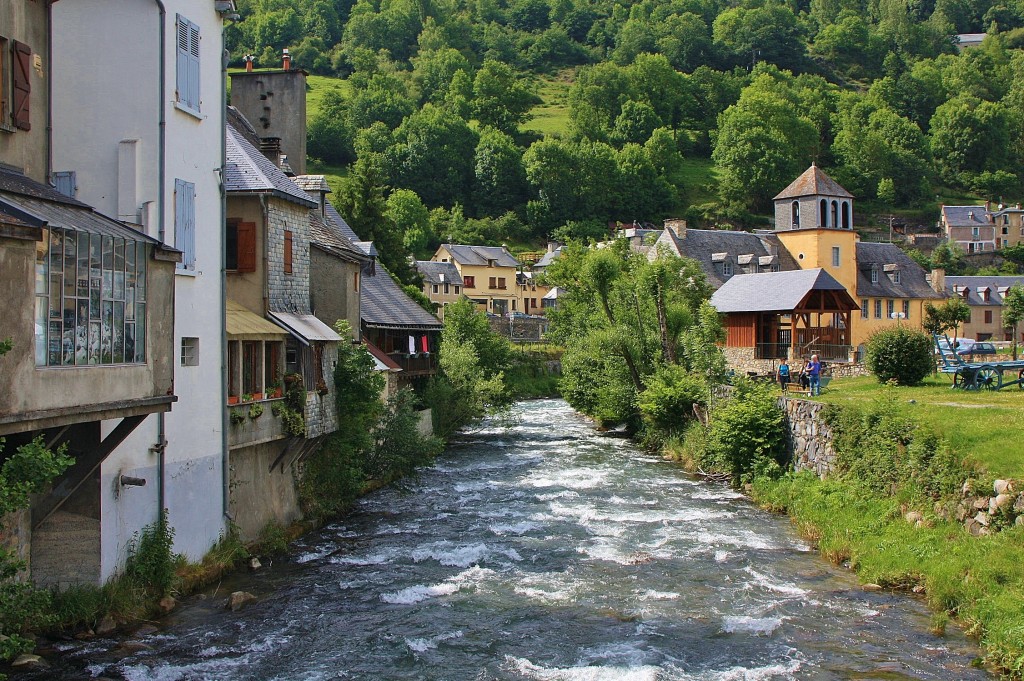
x=895 y=462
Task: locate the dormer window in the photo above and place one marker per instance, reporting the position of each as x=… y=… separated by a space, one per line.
x=491 y=262
x=874 y=275
x=985 y=294
x=896 y=277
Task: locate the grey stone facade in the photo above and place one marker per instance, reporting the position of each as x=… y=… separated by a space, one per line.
x=810 y=438
x=321 y=411
x=288 y=292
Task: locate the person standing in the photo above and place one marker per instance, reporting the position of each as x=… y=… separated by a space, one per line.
x=784 y=375
x=813 y=370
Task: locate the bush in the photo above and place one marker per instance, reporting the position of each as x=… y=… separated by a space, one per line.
x=748 y=434
x=900 y=354
x=666 y=405
x=151 y=560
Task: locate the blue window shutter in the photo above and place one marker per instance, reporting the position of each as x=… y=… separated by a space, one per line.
x=193 y=66
x=187 y=64
x=185 y=223
x=64 y=182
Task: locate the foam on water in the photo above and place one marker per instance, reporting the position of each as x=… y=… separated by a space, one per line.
x=422 y=645
x=765 y=582
x=762 y=626
x=514 y=528
x=421 y=592
x=451 y=554
x=583 y=673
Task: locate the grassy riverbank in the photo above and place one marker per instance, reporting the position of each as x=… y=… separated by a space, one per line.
x=860 y=518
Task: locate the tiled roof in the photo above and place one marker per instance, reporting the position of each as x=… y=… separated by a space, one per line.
x=711 y=246
x=913 y=278
x=249 y=171
x=385 y=305
x=813 y=182
x=312 y=183
x=965 y=216
x=479 y=255
x=774 y=291
x=997 y=286
x=548 y=258
x=439 y=272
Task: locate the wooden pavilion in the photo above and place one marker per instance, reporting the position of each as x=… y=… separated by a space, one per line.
x=787 y=315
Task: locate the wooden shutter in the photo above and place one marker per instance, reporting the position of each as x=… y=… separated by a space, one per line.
x=287 y=251
x=185 y=223
x=20 y=100
x=246 y=246
x=188 y=63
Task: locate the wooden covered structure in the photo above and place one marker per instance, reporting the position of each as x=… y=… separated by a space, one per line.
x=786 y=315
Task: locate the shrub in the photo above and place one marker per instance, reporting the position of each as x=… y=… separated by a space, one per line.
x=151 y=560
x=666 y=404
x=900 y=354
x=748 y=434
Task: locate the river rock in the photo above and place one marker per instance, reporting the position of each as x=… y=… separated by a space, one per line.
x=1018 y=505
x=238 y=600
x=982 y=519
x=913 y=517
x=254 y=564
x=1019 y=521
x=1002 y=487
x=871 y=587
x=973 y=527
x=29 y=660
x=962 y=511
x=131 y=648
x=145 y=630
x=980 y=503
x=107 y=625
x=167 y=603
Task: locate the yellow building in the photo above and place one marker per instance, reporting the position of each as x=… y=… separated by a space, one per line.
x=488 y=275
x=442 y=284
x=814 y=223
x=1009 y=223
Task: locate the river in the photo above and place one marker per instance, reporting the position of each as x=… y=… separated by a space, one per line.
x=542 y=552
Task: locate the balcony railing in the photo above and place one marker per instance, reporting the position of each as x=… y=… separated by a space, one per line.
x=246 y=430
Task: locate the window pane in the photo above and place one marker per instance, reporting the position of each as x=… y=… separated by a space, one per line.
x=107 y=328
x=83 y=266
x=140 y=279
x=129 y=342
x=118 y=332
x=140 y=332
x=42 y=268
x=118 y=269
x=40 y=331
x=68 y=335
x=53 y=343
x=70 y=260
x=82 y=332
x=94 y=340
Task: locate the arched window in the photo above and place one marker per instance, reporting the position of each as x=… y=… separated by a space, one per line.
x=796 y=214
x=834 y=222
x=846 y=215
x=823 y=218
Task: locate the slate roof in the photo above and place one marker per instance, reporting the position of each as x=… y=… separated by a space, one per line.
x=774 y=291
x=479 y=255
x=385 y=305
x=329 y=239
x=250 y=172
x=711 y=246
x=966 y=216
x=813 y=182
x=913 y=278
x=432 y=272
x=312 y=183
x=548 y=258
x=337 y=222
x=997 y=285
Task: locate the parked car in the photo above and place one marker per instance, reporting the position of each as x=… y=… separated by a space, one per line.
x=981 y=348
x=969 y=346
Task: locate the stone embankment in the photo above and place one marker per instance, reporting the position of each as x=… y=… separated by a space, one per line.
x=811 y=443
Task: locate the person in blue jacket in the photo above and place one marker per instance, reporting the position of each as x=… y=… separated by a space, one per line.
x=784 y=374
x=813 y=370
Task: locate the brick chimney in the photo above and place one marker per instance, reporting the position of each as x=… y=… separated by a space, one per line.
x=678 y=227
x=248 y=59
x=937 y=279
x=286 y=60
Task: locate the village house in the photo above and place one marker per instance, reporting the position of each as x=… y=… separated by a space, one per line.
x=276 y=347
x=488 y=275
x=442 y=284
x=984 y=295
x=972 y=228
x=1009 y=224
x=95 y=347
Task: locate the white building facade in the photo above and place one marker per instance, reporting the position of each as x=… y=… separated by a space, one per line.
x=138 y=132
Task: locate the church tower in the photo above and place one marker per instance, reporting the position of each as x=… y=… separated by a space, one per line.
x=813 y=201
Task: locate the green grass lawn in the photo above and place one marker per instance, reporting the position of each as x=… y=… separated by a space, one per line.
x=985 y=426
x=551 y=117
x=333 y=174
x=699 y=177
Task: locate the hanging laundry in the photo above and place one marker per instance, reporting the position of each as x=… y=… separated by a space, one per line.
x=412 y=345
x=423 y=343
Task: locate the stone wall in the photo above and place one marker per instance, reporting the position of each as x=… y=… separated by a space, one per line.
x=810 y=438
x=288 y=292
x=741 y=360
x=321 y=411
x=259 y=496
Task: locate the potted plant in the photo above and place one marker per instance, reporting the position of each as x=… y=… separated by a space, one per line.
x=255 y=411
x=237 y=417
x=276 y=391
x=232 y=399
x=247 y=397
x=257 y=397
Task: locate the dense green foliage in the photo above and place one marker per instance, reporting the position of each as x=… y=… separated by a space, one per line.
x=472 y=362
x=625 y=322
x=900 y=354
x=151 y=559
x=375 y=442
x=438 y=100
x=747 y=434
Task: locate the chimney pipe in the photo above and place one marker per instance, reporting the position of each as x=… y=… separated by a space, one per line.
x=937 y=279
x=271 y=148
x=248 y=63
x=678 y=227
x=287 y=59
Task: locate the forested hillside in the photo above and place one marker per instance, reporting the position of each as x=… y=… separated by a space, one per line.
x=434 y=128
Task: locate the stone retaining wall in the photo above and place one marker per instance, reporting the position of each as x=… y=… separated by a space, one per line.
x=810 y=438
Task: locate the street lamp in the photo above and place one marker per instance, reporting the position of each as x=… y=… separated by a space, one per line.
x=898 y=316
